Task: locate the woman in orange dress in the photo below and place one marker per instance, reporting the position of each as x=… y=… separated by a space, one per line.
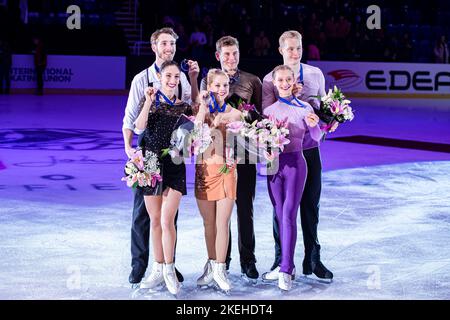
x=215 y=191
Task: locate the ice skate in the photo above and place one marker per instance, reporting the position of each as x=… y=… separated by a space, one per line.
x=249 y=272
x=284 y=281
x=155 y=278
x=208 y=274
x=273 y=275
x=136 y=275
x=170 y=278
x=321 y=273
x=220 y=276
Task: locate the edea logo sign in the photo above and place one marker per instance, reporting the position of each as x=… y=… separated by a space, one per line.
x=384 y=77
x=344 y=78
x=404 y=80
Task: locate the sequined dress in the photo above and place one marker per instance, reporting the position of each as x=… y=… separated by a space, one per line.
x=160 y=125
x=210 y=184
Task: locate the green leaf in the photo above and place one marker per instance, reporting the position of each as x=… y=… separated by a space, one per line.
x=165 y=152
x=224 y=169
x=316 y=96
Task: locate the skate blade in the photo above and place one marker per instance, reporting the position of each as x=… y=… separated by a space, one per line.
x=138 y=293
x=265 y=280
x=175 y=295
x=159 y=285
x=249 y=280
x=159 y=288
x=225 y=293
x=204 y=286
x=221 y=291
x=144 y=292
x=313 y=277
x=135 y=286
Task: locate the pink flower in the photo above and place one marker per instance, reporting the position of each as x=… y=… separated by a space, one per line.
x=281 y=123
x=235 y=126
x=282 y=140
x=336 y=107
x=138 y=159
x=155 y=178
x=132 y=181
x=246 y=107
x=326 y=127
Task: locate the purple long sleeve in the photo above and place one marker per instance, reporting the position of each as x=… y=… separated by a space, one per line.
x=315 y=132
x=296 y=123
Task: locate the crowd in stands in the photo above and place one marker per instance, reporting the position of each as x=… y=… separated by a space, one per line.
x=411 y=31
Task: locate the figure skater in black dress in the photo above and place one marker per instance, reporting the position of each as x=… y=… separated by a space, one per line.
x=158 y=117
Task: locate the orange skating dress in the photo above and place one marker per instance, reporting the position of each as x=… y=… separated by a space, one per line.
x=210 y=184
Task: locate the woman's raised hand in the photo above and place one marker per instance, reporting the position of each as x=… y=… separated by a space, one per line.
x=297 y=89
x=150 y=94
x=204 y=96
x=311 y=119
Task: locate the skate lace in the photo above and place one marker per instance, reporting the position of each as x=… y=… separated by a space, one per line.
x=222 y=275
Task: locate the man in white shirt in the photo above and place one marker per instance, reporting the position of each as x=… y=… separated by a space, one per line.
x=310 y=82
x=163 y=42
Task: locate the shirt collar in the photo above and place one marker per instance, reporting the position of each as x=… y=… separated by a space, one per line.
x=235 y=77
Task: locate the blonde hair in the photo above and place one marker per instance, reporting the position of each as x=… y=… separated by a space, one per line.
x=212 y=73
x=157 y=33
x=281 y=68
x=226 y=41
x=290 y=34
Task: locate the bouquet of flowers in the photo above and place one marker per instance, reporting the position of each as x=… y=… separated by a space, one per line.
x=267 y=137
x=188 y=138
x=199 y=139
x=142 y=171
x=334 y=107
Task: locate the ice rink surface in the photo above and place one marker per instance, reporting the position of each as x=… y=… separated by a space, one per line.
x=65 y=216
